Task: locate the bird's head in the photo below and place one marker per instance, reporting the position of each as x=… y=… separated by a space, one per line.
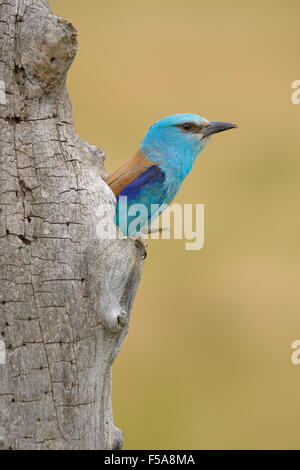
x=175 y=141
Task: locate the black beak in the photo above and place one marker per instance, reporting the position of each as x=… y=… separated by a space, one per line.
x=217 y=126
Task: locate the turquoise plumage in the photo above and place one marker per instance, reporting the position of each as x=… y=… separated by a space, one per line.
x=154 y=175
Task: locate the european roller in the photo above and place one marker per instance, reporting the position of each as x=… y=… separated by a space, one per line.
x=155 y=173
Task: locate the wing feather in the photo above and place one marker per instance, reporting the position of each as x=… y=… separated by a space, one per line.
x=129 y=172
x=148 y=190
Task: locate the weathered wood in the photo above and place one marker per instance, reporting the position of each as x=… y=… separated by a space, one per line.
x=65 y=294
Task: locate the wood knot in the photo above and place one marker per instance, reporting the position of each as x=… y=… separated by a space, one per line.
x=123 y=318
x=47 y=48
x=116 y=320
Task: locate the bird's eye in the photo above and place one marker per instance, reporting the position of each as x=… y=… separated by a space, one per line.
x=187 y=126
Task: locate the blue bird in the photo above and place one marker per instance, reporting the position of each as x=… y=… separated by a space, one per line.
x=154 y=175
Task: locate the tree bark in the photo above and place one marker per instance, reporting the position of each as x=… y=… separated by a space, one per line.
x=66 y=293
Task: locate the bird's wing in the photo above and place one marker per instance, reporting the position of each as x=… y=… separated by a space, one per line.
x=148 y=190
x=129 y=172
x=147 y=187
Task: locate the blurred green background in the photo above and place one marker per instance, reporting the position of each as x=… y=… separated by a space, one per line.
x=207 y=361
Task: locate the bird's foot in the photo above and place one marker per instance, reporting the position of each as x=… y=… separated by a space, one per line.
x=141 y=243
x=156 y=230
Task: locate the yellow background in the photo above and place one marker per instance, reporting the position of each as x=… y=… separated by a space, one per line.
x=207 y=361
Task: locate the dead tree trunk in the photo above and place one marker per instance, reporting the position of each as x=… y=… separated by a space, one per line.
x=65 y=294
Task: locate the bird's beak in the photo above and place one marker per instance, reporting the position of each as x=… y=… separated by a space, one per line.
x=217 y=126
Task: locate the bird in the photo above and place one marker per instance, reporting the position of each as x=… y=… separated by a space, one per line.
x=156 y=171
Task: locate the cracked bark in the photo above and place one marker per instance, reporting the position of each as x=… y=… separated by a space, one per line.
x=66 y=294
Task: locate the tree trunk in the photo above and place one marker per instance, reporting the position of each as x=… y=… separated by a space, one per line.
x=66 y=293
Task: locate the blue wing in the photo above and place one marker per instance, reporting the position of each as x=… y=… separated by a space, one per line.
x=147 y=189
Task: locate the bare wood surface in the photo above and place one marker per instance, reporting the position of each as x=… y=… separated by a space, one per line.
x=65 y=294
